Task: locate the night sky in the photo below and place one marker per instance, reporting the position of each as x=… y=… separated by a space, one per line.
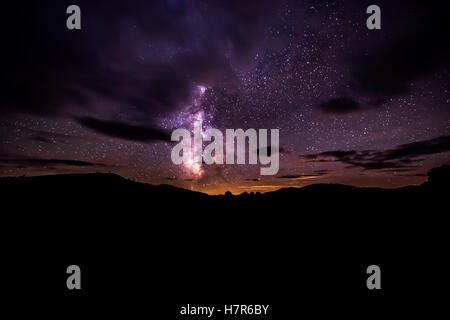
x=353 y=106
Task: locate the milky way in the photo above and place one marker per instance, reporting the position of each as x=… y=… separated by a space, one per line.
x=354 y=106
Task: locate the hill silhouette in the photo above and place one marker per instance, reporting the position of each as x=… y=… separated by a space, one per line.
x=103 y=183
x=189 y=246
x=89 y=184
x=82 y=201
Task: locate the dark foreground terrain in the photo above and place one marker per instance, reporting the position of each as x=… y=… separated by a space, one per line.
x=147 y=250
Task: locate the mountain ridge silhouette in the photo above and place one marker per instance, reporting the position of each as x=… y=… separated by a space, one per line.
x=437 y=178
x=179 y=238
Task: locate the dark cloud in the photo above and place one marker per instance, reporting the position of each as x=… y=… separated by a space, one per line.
x=41 y=139
x=389 y=68
x=399 y=170
x=414 y=175
x=289 y=177
x=296 y=177
x=321 y=172
x=403 y=156
x=253 y=179
x=329 y=156
x=142 y=57
x=416 y=149
x=339 y=105
x=124 y=131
